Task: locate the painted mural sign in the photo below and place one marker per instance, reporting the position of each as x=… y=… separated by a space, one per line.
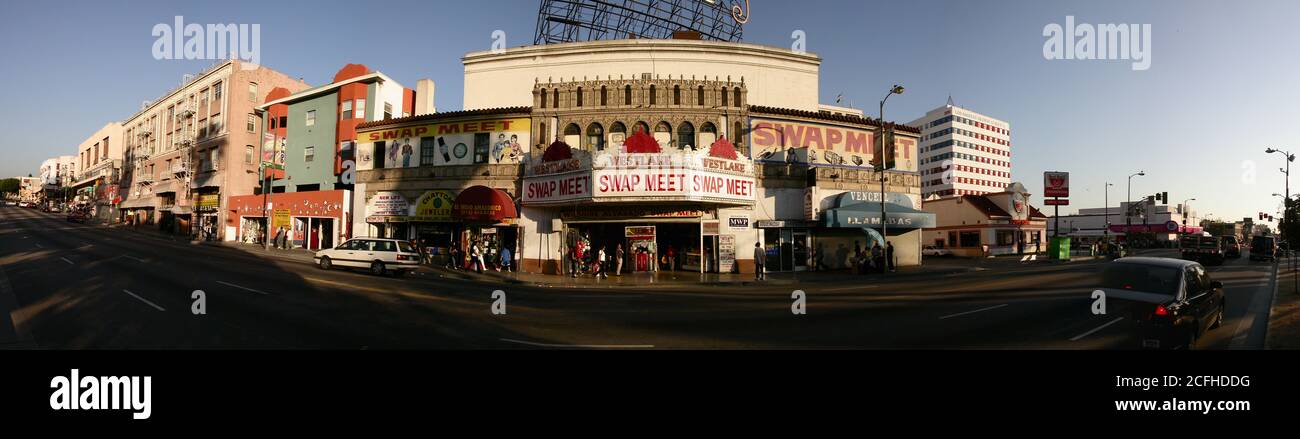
x=433 y=206
x=496 y=141
x=816 y=143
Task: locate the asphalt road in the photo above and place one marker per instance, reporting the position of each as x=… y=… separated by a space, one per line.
x=73 y=286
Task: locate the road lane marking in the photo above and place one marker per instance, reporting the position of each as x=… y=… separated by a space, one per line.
x=949 y=316
x=144 y=300
x=579 y=346
x=38 y=245
x=244 y=288
x=69 y=262
x=133 y=258
x=1112 y=322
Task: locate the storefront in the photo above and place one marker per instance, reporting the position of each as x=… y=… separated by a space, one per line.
x=665 y=207
x=489 y=218
x=312 y=220
x=205 y=209
x=1002 y=223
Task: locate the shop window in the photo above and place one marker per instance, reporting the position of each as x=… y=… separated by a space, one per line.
x=952 y=239
x=970 y=239
x=1006 y=237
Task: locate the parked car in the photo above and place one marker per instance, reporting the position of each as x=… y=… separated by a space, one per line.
x=931 y=250
x=380 y=256
x=1263 y=248
x=1172 y=301
x=1231 y=247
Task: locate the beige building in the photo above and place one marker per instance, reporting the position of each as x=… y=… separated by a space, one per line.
x=1000 y=223
x=99 y=167
x=196 y=146
x=775 y=77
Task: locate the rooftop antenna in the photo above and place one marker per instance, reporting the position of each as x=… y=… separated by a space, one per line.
x=950 y=104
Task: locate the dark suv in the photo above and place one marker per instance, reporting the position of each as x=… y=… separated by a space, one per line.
x=1263 y=248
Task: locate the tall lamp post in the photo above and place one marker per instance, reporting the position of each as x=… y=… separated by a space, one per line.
x=1106 y=228
x=884 y=222
x=1128 y=207
x=1289 y=158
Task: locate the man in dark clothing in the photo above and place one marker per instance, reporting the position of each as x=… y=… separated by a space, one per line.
x=759 y=259
x=889 y=256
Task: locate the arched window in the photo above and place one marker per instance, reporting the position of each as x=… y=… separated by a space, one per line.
x=557 y=98
x=664 y=134
x=737 y=99
x=604 y=96
x=641 y=127
x=699 y=96
x=738 y=139
x=653 y=98
x=686 y=136
x=579 y=96
x=595 y=137
x=572 y=130
x=708 y=134
x=573 y=135
x=543 y=98
x=617 y=133
x=724 y=96
x=627 y=95
x=677 y=95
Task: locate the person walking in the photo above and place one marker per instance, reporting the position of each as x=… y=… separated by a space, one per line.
x=889 y=256
x=759 y=261
x=877 y=257
x=600 y=264
x=476 y=258
x=618 y=261
x=505 y=259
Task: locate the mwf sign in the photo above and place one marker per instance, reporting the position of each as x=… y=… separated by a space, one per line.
x=612 y=176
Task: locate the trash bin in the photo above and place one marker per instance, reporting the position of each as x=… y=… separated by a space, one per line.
x=1059 y=248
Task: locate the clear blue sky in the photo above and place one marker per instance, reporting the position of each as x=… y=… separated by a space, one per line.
x=1221 y=87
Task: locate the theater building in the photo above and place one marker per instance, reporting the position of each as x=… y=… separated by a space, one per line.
x=444 y=179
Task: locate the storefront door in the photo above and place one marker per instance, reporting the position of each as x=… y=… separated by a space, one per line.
x=800 y=253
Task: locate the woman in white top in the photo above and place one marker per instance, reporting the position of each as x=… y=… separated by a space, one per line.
x=600 y=264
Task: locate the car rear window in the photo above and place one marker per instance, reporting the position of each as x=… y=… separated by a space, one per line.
x=1140 y=277
x=405 y=247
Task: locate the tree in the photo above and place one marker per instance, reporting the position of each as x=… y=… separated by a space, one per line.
x=9 y=185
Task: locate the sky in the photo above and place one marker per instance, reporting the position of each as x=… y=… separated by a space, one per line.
x=1220 y=89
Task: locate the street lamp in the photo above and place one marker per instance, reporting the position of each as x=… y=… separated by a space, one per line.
x=1128 y=206
x=1106 y=230
x=884 y=222
x=1289 y=158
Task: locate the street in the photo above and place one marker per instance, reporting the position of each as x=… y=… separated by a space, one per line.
x=75 y=286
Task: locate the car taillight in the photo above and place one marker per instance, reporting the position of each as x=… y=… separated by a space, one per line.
x=1161 y=310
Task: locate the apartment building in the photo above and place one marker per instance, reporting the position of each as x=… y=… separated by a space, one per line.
x=187 y=157
x=98 y=168
x=963 y=152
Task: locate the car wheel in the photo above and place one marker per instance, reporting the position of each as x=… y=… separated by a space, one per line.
x=377 y=268
x=325 y=263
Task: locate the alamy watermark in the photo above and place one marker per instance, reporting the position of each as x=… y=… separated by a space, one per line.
x=211 y=41
x=1100 y=42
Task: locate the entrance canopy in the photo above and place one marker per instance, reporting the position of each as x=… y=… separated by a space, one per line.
x=862 y=210
x=484 y=204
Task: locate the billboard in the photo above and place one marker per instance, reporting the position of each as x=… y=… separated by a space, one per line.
x=495 y=141
x=773 y=139
x=1056 y=184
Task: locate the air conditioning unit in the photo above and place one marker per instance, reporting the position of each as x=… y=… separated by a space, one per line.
x=184 y=114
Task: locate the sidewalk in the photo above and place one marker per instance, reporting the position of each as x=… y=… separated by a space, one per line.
x=690 y=279
x=1284 y=319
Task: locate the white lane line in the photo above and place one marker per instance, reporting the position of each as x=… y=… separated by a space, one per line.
x=145 y=301
x=580 y=346
x=69 y=262
x=244 y=288
x=38 y=245
x=610 y=296
x=133 y=258
x=859 y=287
x=949 y=316
x=1112 y=322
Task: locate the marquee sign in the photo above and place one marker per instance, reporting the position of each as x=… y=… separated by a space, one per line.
x=818 y=143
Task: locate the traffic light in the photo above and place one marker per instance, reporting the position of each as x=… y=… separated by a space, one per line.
x=1164 y=198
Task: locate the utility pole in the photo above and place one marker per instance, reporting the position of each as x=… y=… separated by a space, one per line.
x=884 y=221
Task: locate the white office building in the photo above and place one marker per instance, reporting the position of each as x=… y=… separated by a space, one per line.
x=963 y=152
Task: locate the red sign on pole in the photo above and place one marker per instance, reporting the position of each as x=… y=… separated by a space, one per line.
x=1056 y=184
x=1056 y=202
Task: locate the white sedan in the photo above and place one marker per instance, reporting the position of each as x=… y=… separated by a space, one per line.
x=931 y=250
x=381 y=256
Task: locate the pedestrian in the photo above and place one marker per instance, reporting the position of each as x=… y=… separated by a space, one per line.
x=505 y=259
x=672 y=258
x=877 y=257
x=576 y=257
x=284 y=238
x=759 y=260
x=451 y=257
x=476 y=253
x=618 y=261
x=276 y=241
x=600 y=264
x=889 y=256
